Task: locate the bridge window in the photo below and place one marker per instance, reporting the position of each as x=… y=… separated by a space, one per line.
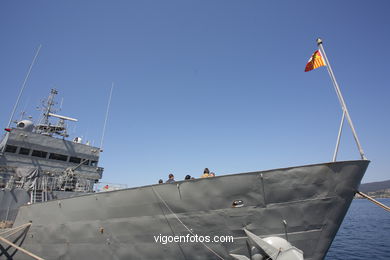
x=24 y=151
x=37 y=153
x=94 y=163
x=11 y=149
x=85 y=162
x=60 y=157
x=74 y=160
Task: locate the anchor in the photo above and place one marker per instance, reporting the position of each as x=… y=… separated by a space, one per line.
x=269 y=248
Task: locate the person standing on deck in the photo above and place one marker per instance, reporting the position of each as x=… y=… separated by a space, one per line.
x=206 y=173
x=171 y=178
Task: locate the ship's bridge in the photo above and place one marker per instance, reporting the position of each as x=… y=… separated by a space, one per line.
x=24 y=148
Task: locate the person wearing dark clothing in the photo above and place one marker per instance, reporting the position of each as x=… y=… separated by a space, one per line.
x=188 y=177
x=160 y=181
x=171 y=178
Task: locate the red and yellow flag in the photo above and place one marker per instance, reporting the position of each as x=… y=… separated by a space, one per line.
x=315 y=61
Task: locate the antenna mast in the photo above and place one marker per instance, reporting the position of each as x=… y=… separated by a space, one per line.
x=23 y=86
x=49 y=104
x=45 y=127
x=105 y=120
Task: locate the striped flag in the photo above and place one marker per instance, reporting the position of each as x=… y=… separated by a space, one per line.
x=315 y=61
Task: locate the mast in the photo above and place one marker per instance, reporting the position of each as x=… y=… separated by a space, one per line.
x=45 y=127
x=49 y=104
x=23 y=86
x=342 y=103
x=106 y=118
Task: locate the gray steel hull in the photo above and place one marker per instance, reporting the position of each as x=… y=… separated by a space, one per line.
x=12 y=199
x=312 y=199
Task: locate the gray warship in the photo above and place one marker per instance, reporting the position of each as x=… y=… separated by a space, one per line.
x=48 y=199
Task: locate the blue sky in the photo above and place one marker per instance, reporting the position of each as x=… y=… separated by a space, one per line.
x=217 y=84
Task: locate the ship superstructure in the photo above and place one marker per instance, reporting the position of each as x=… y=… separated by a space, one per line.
x=38 y=163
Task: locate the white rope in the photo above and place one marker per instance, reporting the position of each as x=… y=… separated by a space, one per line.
x=20 y=249
x=374 y=201
x=15 y=228
x=181 y=222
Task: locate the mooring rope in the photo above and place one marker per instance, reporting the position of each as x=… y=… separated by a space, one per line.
x=181 y=222
x=169 y=224
x=16 y=229
x=374 y=201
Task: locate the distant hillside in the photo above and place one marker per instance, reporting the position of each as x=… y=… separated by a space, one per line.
x=374 y=186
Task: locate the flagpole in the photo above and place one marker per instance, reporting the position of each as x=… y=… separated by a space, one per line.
x=341 y=99
x=336 y=149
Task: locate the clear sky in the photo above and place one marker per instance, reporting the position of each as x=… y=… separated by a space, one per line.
x=205 y=83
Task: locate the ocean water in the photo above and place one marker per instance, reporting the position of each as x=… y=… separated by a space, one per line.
x=364 y=234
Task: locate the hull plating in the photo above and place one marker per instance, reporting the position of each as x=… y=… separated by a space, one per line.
x=312 y=200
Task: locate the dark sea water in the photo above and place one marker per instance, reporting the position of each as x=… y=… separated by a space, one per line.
x=364 y=234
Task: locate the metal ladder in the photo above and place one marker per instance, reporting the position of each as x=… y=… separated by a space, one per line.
x=39 y=194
